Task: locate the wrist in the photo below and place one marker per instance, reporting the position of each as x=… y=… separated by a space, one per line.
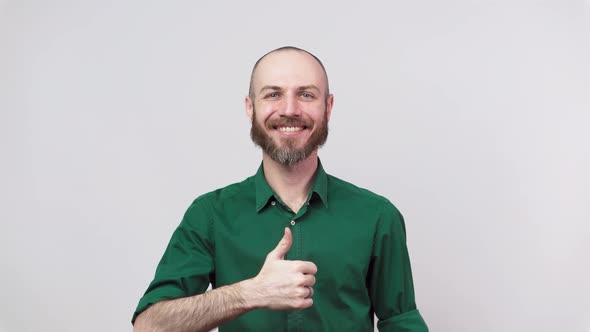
x=250 y=294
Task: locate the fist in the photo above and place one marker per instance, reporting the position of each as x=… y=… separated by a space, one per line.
x=282 y=284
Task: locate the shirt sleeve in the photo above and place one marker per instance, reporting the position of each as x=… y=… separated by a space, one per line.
x=187 y=266
x=391 y=287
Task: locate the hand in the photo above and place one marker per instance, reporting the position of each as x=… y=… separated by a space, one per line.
x=282 y=284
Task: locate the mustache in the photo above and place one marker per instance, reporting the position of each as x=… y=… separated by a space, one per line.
x=288 y=122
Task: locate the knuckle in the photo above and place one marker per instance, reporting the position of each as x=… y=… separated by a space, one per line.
x=301 y=280
x=294 y=293
x=301 y=292
x=300 y=304
x=303 y=303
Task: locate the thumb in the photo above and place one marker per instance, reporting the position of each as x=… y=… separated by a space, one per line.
x=283 y=246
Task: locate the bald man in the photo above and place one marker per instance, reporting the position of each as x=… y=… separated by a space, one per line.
x=290 y=248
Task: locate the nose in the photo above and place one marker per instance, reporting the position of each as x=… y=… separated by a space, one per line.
x=290 y=107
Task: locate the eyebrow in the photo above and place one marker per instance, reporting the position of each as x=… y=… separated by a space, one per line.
x=270 y=87
x=301 y=88
x=309 y=87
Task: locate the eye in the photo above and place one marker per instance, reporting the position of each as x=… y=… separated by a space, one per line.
x=272 y=95
x=307 y=95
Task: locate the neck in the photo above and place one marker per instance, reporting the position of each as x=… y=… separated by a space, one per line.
x=291 y=183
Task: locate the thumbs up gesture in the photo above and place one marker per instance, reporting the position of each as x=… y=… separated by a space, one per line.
x=282 y=284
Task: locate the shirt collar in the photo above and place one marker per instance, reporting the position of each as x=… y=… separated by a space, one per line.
x=264 y=191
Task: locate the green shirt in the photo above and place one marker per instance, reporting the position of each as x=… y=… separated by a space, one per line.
x=356 y=238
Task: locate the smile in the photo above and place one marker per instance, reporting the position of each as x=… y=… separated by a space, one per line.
x=290 y=129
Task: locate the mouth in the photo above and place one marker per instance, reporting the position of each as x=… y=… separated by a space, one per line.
x=291 y=129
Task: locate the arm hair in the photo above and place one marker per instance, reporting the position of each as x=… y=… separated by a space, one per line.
x=201 y=312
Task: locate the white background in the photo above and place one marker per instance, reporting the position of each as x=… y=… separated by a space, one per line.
x=473 y=117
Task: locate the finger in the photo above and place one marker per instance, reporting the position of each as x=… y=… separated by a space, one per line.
x=306 y=267
x=283 y=247
x=304 y=292
x=304 y=303
x=308 y=280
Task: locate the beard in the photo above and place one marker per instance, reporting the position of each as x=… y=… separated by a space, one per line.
x=288 y=154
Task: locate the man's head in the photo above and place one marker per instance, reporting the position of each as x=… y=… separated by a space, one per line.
x=289 y=104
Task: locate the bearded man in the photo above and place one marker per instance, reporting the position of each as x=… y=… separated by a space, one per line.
x=341 y=256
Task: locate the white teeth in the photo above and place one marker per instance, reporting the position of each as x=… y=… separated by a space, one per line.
x=288 y=129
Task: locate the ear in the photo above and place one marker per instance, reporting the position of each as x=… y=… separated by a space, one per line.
x=329 y=104
x=249 y=107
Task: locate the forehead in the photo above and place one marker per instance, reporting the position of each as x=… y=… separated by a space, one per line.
x=289 y=69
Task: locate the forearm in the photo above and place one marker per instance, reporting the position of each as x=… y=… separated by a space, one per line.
x=280 y=285
x=201 y=312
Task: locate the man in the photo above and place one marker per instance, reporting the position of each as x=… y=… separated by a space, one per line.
x=341 y=254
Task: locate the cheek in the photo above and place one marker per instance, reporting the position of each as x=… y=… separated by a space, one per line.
x=318 y=115
x=264 y=122
x=261 y=113
x=266 y=109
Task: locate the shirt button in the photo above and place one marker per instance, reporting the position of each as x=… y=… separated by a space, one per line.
x=292 y=222
x=273 y=203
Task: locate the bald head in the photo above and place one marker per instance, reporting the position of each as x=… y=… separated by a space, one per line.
x=282 y=60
